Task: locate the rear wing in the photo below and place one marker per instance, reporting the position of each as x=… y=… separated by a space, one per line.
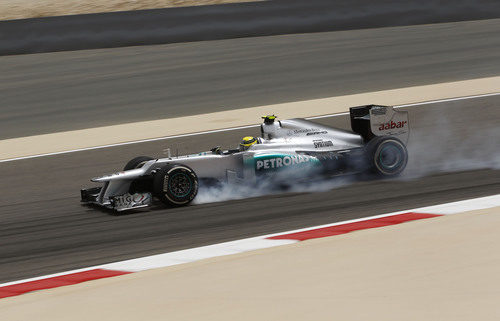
x=374 y=120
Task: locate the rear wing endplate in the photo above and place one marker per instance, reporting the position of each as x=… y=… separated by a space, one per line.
x=375 y=120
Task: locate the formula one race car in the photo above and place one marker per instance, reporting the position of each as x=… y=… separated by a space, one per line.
x=288 y=150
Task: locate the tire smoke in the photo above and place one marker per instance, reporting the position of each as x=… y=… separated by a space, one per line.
x=449 y=139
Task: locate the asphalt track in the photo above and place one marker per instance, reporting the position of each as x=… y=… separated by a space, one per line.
x=45 y=229
x=53 y=92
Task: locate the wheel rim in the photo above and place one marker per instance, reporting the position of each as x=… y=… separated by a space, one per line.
x=180 y=185
x=390 y=157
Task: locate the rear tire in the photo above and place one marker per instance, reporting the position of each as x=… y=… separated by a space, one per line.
x=387 y=156
x=137 y=162
x=175 y=185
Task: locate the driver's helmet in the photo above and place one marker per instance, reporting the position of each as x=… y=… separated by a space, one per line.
x=246 y=142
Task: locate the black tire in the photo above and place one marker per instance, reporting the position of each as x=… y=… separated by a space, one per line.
x=175 y=185
x=387 y=156
x=137 y=162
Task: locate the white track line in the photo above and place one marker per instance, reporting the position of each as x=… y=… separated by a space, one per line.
x=440 y=209
x=452 y=99
x=260 y=242
x=417 y=104
x=128 y=143
x=231 y=129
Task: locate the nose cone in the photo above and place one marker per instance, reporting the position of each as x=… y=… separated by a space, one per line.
x=130 y=174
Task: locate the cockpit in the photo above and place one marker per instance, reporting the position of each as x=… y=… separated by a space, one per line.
x=246 y=143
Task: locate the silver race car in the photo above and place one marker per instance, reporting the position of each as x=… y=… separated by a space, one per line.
x=288 y=150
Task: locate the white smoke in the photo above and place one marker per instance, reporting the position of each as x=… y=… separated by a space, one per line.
x=452 y=144
x=285 y=182
x=439 y=142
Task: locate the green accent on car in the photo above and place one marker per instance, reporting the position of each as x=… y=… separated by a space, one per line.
x=277 y=162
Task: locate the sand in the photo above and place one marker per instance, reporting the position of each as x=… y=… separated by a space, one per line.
x=444 y=268
x=87 y=138
x=21 y=9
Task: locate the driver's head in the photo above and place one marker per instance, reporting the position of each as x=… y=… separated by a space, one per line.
x=246 y=142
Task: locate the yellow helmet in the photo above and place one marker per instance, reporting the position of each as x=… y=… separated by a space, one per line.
x=247 y=141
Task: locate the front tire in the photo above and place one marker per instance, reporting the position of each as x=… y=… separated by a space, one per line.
x=137 y=162
x=175 y=185
x=387 y=156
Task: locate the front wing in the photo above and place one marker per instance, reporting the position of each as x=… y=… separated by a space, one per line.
x=118 y=203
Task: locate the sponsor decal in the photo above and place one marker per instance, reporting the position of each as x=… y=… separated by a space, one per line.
x=322 y=143
x=317 y=133
x=129 y=201
x=302 y=131
x=274 y=162
x=392 y=125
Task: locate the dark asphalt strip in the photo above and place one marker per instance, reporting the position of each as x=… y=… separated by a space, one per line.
x=46 y=93
x=225 y=21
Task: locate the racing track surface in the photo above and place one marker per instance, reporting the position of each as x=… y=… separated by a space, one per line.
x=52 y=92
x=45 y=230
